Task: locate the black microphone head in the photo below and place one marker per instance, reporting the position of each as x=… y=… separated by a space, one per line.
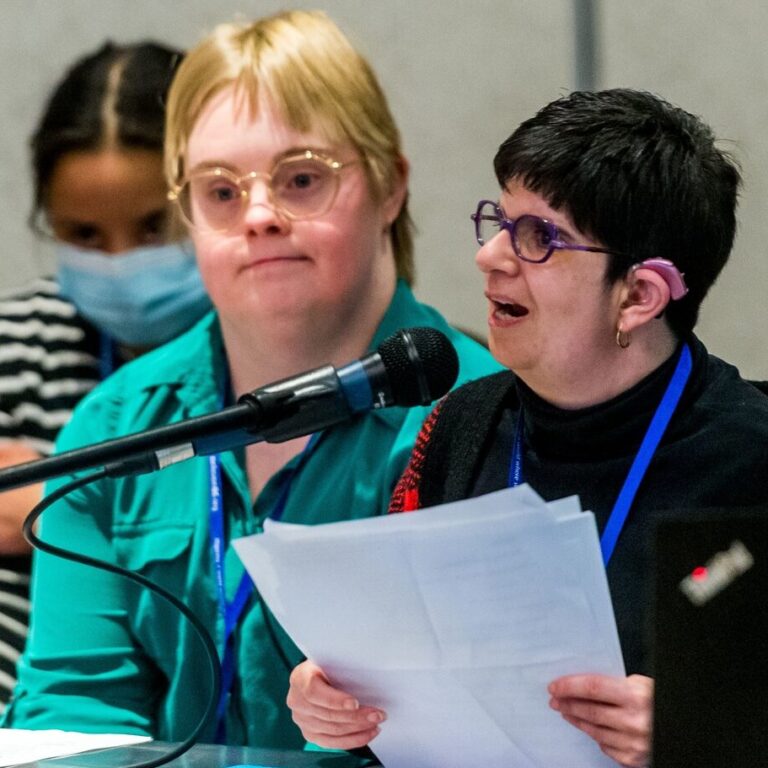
x=421 y=365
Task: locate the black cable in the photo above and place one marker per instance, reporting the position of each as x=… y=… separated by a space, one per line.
x=202 y=632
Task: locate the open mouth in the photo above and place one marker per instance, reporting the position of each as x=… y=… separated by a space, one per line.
x=512 y=310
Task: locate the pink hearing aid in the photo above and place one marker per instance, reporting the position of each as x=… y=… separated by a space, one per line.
x=671 y=274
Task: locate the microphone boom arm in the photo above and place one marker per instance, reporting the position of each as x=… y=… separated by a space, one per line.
x=254 y=419
x=241 y=417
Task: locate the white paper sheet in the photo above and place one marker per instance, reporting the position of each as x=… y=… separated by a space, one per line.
x=19 y=746
x=453 y=619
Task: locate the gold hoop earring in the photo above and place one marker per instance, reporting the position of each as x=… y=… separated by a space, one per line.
x=623 y=338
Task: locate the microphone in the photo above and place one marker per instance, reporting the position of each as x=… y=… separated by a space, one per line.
x=412 y=367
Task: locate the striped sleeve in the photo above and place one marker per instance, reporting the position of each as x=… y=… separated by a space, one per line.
x=14 y=618
x=48 y=361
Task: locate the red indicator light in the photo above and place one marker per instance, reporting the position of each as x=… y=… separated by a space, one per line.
x=699 y=574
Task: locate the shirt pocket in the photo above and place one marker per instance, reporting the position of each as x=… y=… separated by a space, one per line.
x=160 y=553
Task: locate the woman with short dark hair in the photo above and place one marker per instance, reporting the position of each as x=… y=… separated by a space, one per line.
x=616 y=214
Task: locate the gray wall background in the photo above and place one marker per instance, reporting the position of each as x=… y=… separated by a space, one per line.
x=460 y=75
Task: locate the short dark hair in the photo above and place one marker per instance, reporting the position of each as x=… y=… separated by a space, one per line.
x=126 y=84
x=639 y=176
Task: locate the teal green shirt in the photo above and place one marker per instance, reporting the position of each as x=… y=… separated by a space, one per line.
x=104 y=655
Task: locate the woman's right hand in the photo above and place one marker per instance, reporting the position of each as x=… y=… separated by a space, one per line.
x=328 y=716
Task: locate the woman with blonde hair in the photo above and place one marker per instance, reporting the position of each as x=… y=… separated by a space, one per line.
x=286 y=165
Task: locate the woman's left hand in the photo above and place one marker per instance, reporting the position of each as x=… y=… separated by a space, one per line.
x=615 y=711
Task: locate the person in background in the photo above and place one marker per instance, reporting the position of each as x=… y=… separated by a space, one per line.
x=125 y=280
x=616 y=215
x=286 y=164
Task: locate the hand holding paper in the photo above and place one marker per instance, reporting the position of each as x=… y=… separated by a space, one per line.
x=327 y=716
x=453 y=620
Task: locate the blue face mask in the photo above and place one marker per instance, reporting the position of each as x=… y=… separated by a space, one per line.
x=142 y=297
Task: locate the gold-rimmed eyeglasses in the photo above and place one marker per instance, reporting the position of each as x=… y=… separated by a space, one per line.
x=300 y=186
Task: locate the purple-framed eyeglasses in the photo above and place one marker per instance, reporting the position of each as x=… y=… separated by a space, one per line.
x=533 y=239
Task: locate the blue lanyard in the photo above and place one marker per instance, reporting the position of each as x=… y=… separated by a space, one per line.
x=106 y=355
x=516 y=464
x=231 y=611
x=650 y=443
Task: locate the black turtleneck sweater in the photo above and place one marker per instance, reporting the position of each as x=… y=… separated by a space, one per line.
x=713 y=457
